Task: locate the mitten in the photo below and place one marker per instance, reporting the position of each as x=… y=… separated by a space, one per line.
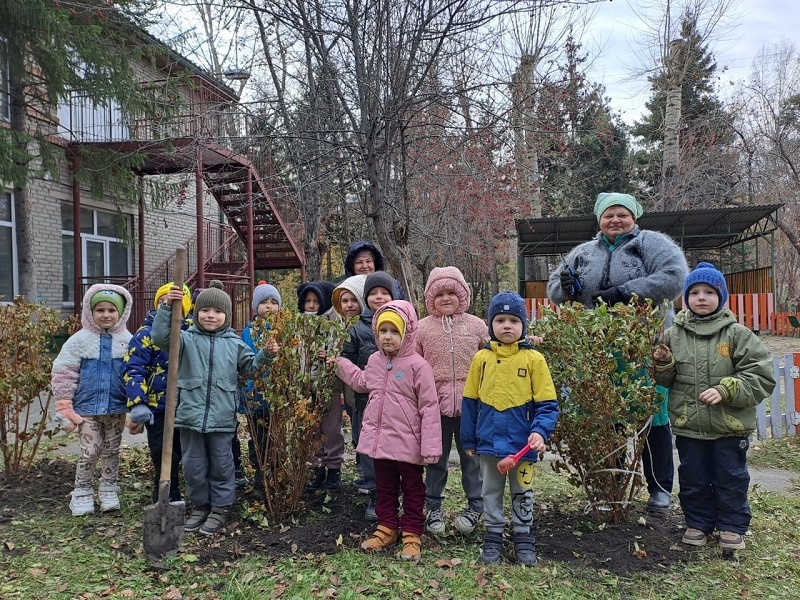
x=611 y=296
x=567 y=281
x=142 y=414
x=68 y=417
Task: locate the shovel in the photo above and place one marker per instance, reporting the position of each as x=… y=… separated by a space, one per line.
x=510 y=461
x=163 y=521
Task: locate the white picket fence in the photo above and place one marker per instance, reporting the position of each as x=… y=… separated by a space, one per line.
x=781 y=420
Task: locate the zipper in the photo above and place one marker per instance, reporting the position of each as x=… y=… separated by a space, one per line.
x=208 y=384
x=383 y=403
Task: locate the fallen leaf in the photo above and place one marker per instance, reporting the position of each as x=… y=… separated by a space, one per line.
x=9 y=546
x=37 y=572
x=434 y=584
x=294 y=548
x=339 y=540
x=335 y=580
x=190 y=558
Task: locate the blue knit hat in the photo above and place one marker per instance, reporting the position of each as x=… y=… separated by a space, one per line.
x=508 y=303
x=705 y=272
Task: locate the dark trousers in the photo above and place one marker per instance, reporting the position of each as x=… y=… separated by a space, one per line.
x=714 y=481
x=659 y=468
x=236 y=448
x=155 y=442
x=366 y=462
x=393 y=476
x=258 y=426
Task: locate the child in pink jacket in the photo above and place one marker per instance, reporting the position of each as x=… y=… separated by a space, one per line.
x=401 y=430
x=448 y=339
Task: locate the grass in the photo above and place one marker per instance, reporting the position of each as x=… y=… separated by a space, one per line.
x=48 y=554
x=782 y=453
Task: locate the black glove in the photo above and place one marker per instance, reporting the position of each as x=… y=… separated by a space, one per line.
x=611 y=296
x=567 y=282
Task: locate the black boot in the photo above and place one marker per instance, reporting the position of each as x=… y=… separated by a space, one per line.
x=658 y=504
x=492 y=550
x=525 y=547
x=333 y=480
x=318 y=480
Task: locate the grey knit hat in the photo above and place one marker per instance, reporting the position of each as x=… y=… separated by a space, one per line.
x=379 y=279
x=264 y=291
x=214 y=296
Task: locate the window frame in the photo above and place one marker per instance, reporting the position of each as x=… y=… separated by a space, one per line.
x=12 y=226
x=5 y=81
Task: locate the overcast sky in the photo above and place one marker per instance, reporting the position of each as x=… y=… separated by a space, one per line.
x=614 y=30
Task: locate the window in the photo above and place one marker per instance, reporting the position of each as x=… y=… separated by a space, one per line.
x=105 y=254
x=8 y=263
x=5 y=82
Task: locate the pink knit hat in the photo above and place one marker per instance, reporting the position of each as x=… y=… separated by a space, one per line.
x=447 y=278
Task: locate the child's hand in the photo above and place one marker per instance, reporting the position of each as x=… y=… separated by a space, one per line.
x=272 y=346
x=68 y=418
x=662 y=353
x=331 y=361
x=711 y=397
x=135 y=428
x=175 y=293
x=470 y=452
x=535 y=339
x=536 y=442
x=431 y=460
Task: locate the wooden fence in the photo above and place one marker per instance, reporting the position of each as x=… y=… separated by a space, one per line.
x=783 y=418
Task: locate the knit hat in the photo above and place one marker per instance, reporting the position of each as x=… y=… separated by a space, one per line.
x=111 y=296
x=608 y=199
x=392 y=317
x=323 y=290
x=186 y=303
x=508 y=303
x=214 y=296
x=264 y=291
x=705 y=272
x=447 y=278
x=354 y=285
x=379 y=279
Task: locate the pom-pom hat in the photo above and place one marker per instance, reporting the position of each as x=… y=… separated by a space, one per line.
x=264 y=291
x=705 y=272
x=508 y=303
x=214 y=296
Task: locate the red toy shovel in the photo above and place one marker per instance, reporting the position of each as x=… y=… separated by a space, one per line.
x=510 y=461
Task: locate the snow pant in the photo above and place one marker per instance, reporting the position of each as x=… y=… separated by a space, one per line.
x=714 y=480
x=100 y=437
x=436 y=474
x=393 y=477
x=208 y=468
x=155 y=442
x=236 y=449
x=659 y=468
x=258 y=428
x=330 y=437
x=366 y=462
x=520 y=480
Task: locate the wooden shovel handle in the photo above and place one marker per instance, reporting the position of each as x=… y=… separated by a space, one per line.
x=172 y=371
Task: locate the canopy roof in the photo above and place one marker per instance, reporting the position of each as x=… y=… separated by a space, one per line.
x=706 y=228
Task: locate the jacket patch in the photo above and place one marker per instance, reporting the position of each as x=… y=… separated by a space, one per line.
x=724 y=349
x=399 y=376
x=522 y=372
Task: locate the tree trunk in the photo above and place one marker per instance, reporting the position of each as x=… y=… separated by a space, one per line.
x=523 y=120
x=672 y=117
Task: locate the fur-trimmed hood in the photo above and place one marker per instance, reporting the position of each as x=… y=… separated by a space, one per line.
x=87 y=321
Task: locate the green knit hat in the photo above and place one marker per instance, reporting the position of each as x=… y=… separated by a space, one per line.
x=214 y=296
x=111 y=296
x=607 y=199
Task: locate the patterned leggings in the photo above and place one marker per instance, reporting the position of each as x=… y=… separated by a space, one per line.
x=100 y=438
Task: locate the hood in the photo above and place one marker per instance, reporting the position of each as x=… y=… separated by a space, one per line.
x=87 y=321
x=360 y=246
x=409 y=315
x=442 y=278
x=322 y=289
x=355 y=285
x=704 y=325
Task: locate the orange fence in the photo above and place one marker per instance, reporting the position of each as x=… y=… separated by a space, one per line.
x=754 y=311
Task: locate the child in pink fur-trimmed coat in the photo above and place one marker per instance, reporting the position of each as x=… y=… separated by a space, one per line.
x=448 y=339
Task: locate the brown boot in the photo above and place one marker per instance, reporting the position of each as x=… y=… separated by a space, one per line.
x=382 y=538
x=412 y=545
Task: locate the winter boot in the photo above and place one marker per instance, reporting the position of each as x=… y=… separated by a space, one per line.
x=492 y=550
x=317 y=481
x=215 y=521
x=730 y=540
x=82 y=502
x=658 y=504
x=382 y=538
x=333 y=480
x=196 y=518
x=242 y=483
x=412 y=546
x=525 y=547
x=371 y=513
x=108 y=496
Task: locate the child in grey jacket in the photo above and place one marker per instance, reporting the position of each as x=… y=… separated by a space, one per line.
x=212 y=356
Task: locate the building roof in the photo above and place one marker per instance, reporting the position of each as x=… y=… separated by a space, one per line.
x=705 y=228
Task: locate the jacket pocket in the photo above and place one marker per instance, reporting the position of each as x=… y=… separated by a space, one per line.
x=190 y=383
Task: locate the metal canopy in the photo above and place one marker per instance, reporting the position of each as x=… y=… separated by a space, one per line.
x=707 y=228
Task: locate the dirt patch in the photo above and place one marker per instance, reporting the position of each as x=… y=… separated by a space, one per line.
x=779 y=345
x=333 y=521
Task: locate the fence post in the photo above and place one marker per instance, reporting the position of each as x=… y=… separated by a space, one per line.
x=791 y=365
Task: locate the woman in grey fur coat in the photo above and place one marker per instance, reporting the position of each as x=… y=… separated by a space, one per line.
x=623 y=260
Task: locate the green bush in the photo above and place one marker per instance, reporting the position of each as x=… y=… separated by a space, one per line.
x=600 y=361
x=26 y=335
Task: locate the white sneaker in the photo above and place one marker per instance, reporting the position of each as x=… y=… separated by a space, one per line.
x=109 y=500
x=434 y=523
x=82 y=502
x=467 y=521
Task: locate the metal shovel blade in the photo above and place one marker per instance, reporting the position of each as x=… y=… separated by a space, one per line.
x=163 y=528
